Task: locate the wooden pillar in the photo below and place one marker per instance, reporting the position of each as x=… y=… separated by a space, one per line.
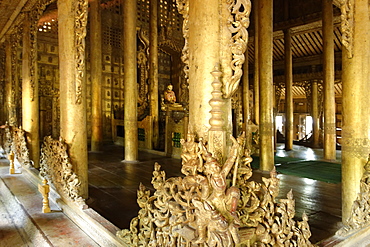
x=315 y=114
x=329 y=93
x=73 y=85
x=153 y=71
x=30 y=96
x=266 y=89
x=356 y=101
x=96 y=76
x=256 y=81
x=130 y=80
x=288 y=91
x=204 y=52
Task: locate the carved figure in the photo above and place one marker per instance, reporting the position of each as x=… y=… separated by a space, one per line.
x=169 y=95
x=191 y=156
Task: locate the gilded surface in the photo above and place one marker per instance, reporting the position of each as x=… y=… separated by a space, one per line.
x=80 y=31
x=19 y=147
x=346 y=9
x=183 y=8
x=237 y=23
x=360 y=214
x=205 y=209
x=56 y=167
x=35 y=14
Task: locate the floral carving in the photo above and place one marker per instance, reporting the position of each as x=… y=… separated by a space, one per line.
x=80 y=29
x=56 y=167
x=346 y=8
x=237 y=23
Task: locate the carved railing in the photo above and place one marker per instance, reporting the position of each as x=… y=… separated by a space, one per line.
x=55 y=166
x=204 y=209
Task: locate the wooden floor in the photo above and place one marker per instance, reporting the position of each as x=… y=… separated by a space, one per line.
x=113 y=185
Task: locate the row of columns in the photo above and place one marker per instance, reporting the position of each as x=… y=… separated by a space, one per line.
x=355 y=74
x=356 y=126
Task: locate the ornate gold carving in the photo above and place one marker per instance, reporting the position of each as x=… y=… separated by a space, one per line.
x=183 y=8
x=203 y=209
x=56 y=167
x=15 y=100
x=237 y=23
x=361 y=206
x=19 y=146
x=199 y=208
x=80 y=29
x=346 y=8
x=44 y=190
x=143 y=69
x=216 y=121
x=35 y=15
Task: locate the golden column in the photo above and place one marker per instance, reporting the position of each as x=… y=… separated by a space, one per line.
x=266 y=124
x=96 y=76
x=356 y=101
x=72 y=16
x=30 y=95
x=315 y=113
x=130 y=78
x=329 y=93
x=256 y=80
x=8 y=105
x=153 y=70
x=204 y=52
x=288 y=90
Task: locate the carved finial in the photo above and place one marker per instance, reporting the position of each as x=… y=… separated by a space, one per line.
x=11 y=160
x=44 y=190
x=217 y=101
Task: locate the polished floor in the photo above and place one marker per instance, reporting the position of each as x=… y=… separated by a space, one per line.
x=113 y=185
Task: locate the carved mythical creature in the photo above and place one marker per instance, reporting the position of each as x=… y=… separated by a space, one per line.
x=202 y=209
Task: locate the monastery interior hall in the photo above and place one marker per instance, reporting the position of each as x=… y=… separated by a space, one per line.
x=183 y=123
